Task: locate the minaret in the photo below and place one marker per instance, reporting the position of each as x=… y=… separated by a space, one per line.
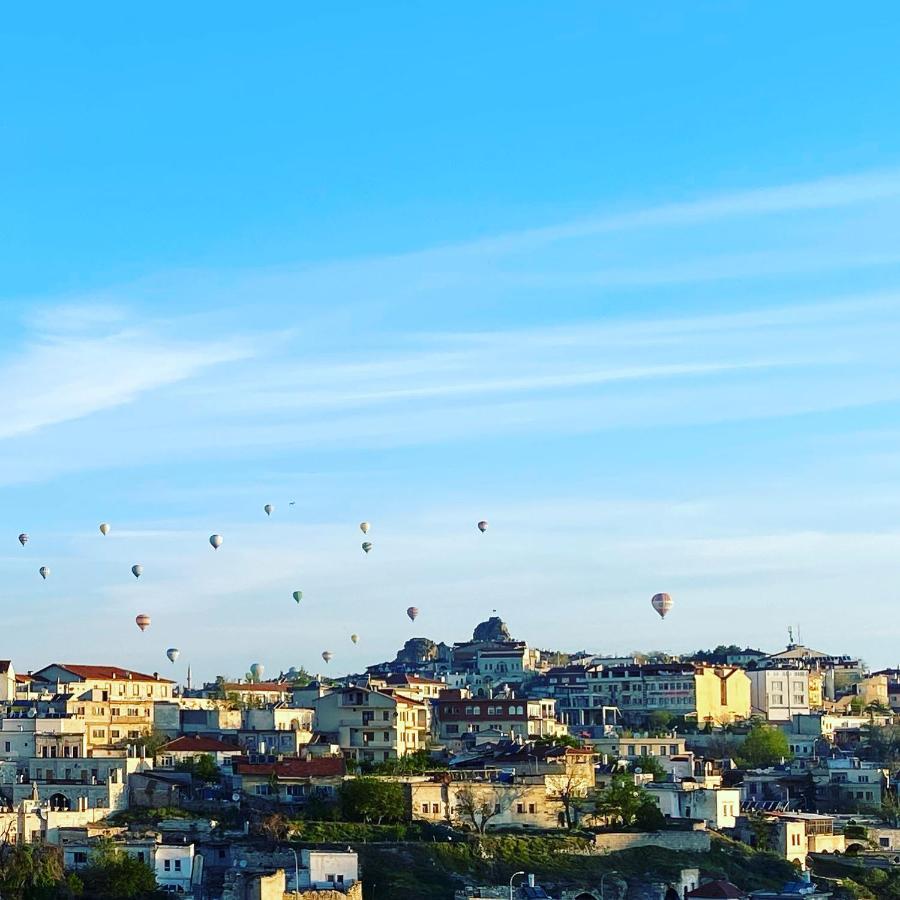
x=189 y=677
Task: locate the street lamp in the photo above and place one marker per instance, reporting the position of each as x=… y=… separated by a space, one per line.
x=296 y=873
x=602 y=879
x=511 y=877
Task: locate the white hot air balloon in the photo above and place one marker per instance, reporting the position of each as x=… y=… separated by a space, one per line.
x=215 y=541
x=413 y=613
x=662 y=603
x=364 y=527
x=104 y=528
x=256 y=670
x=354 y=638
x=327 y=655
x=137 y=570
x=268 y=509
x=173 y=653
x=44 y=572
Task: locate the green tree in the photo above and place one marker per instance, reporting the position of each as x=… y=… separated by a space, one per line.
x=764 y=746
x=202 y=767
x=410 y=764
x=659 y=721
x=34 y=872
x=112 y=874
x=372 y=800
x=623 y=801
x=650 y=765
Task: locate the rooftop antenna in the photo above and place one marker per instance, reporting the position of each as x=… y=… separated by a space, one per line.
x=790 y=634
x=799 y=639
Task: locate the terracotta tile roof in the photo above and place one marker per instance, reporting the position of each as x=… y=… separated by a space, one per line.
x=192 y=744
x=110 y=672
x=24 y=679
x=319 y=767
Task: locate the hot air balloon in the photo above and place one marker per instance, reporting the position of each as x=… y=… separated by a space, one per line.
x=173 y=653
x=137 y=570
x=142 y=621
x=215 y=540
x=23 y=539
x=482 y=526
x=662 y=603
x=367 y=546
x=354 y=638
x=104 y=528
x=256 y=670
x=268 y=509
x=327 y=655
x=45 y=571
x=412 y=612
x=364 y=527
x=297 y=595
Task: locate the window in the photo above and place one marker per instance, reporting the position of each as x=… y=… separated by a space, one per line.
x=435 y=808
x=476 y=710
x=520 y=807
x=452 y=729
x=177 y=865
x=7 y=746
x=424 y=807
x=167 y=865
x=140 y=856
x=79 y=857
x=531 y=808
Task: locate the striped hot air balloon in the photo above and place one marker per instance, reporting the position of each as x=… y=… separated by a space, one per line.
x=662 y=603
x=142 y=621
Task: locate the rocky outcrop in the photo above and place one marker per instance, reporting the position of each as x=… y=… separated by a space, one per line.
x=493 y=630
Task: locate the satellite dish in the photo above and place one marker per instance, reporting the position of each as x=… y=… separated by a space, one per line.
x=243 y=863
x=235 y=796
x=32 y=713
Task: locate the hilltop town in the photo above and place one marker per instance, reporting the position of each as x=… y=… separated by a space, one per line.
x=486 y=768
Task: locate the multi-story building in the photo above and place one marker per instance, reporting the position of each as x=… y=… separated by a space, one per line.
x=778 y=694
x=372 y=726
x=116 y=704
x=457 y=714
x=707 y=694
x=292 y=781
x=717 y=806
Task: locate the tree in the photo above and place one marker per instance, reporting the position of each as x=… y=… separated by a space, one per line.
x=202 y=767
x=570 y=791
x=410 y=764
x=372 y=800
x=114 y=875
x=659 y=721
x=764 y=746
x=560 y=740
x=34 y=872
x=477 y=807
x=623 y=801
x=274 y=827
x=650 y=765
x=150 y=743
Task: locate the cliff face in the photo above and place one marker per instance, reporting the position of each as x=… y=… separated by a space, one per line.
x=494 y=629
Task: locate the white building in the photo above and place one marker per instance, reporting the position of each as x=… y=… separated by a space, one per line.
x=779 y=694
x=326 y=869
x=717 y=806
x=174 y=865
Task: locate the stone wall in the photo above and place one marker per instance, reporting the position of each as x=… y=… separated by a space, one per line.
x=354 y=892
x=672 y=840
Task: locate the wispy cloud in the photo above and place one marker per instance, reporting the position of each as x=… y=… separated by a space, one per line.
x=95 y=362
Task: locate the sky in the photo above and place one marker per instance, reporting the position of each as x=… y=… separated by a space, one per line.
x=621 y=279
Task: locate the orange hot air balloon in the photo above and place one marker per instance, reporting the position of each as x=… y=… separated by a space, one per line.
x=142 y=621
x=662 y=603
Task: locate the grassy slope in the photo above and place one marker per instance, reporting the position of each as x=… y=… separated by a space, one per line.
x=430 y=871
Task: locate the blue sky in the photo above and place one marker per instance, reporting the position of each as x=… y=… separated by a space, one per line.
x=622 y=281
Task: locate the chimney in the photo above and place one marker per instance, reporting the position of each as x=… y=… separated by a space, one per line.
x=530 y=880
